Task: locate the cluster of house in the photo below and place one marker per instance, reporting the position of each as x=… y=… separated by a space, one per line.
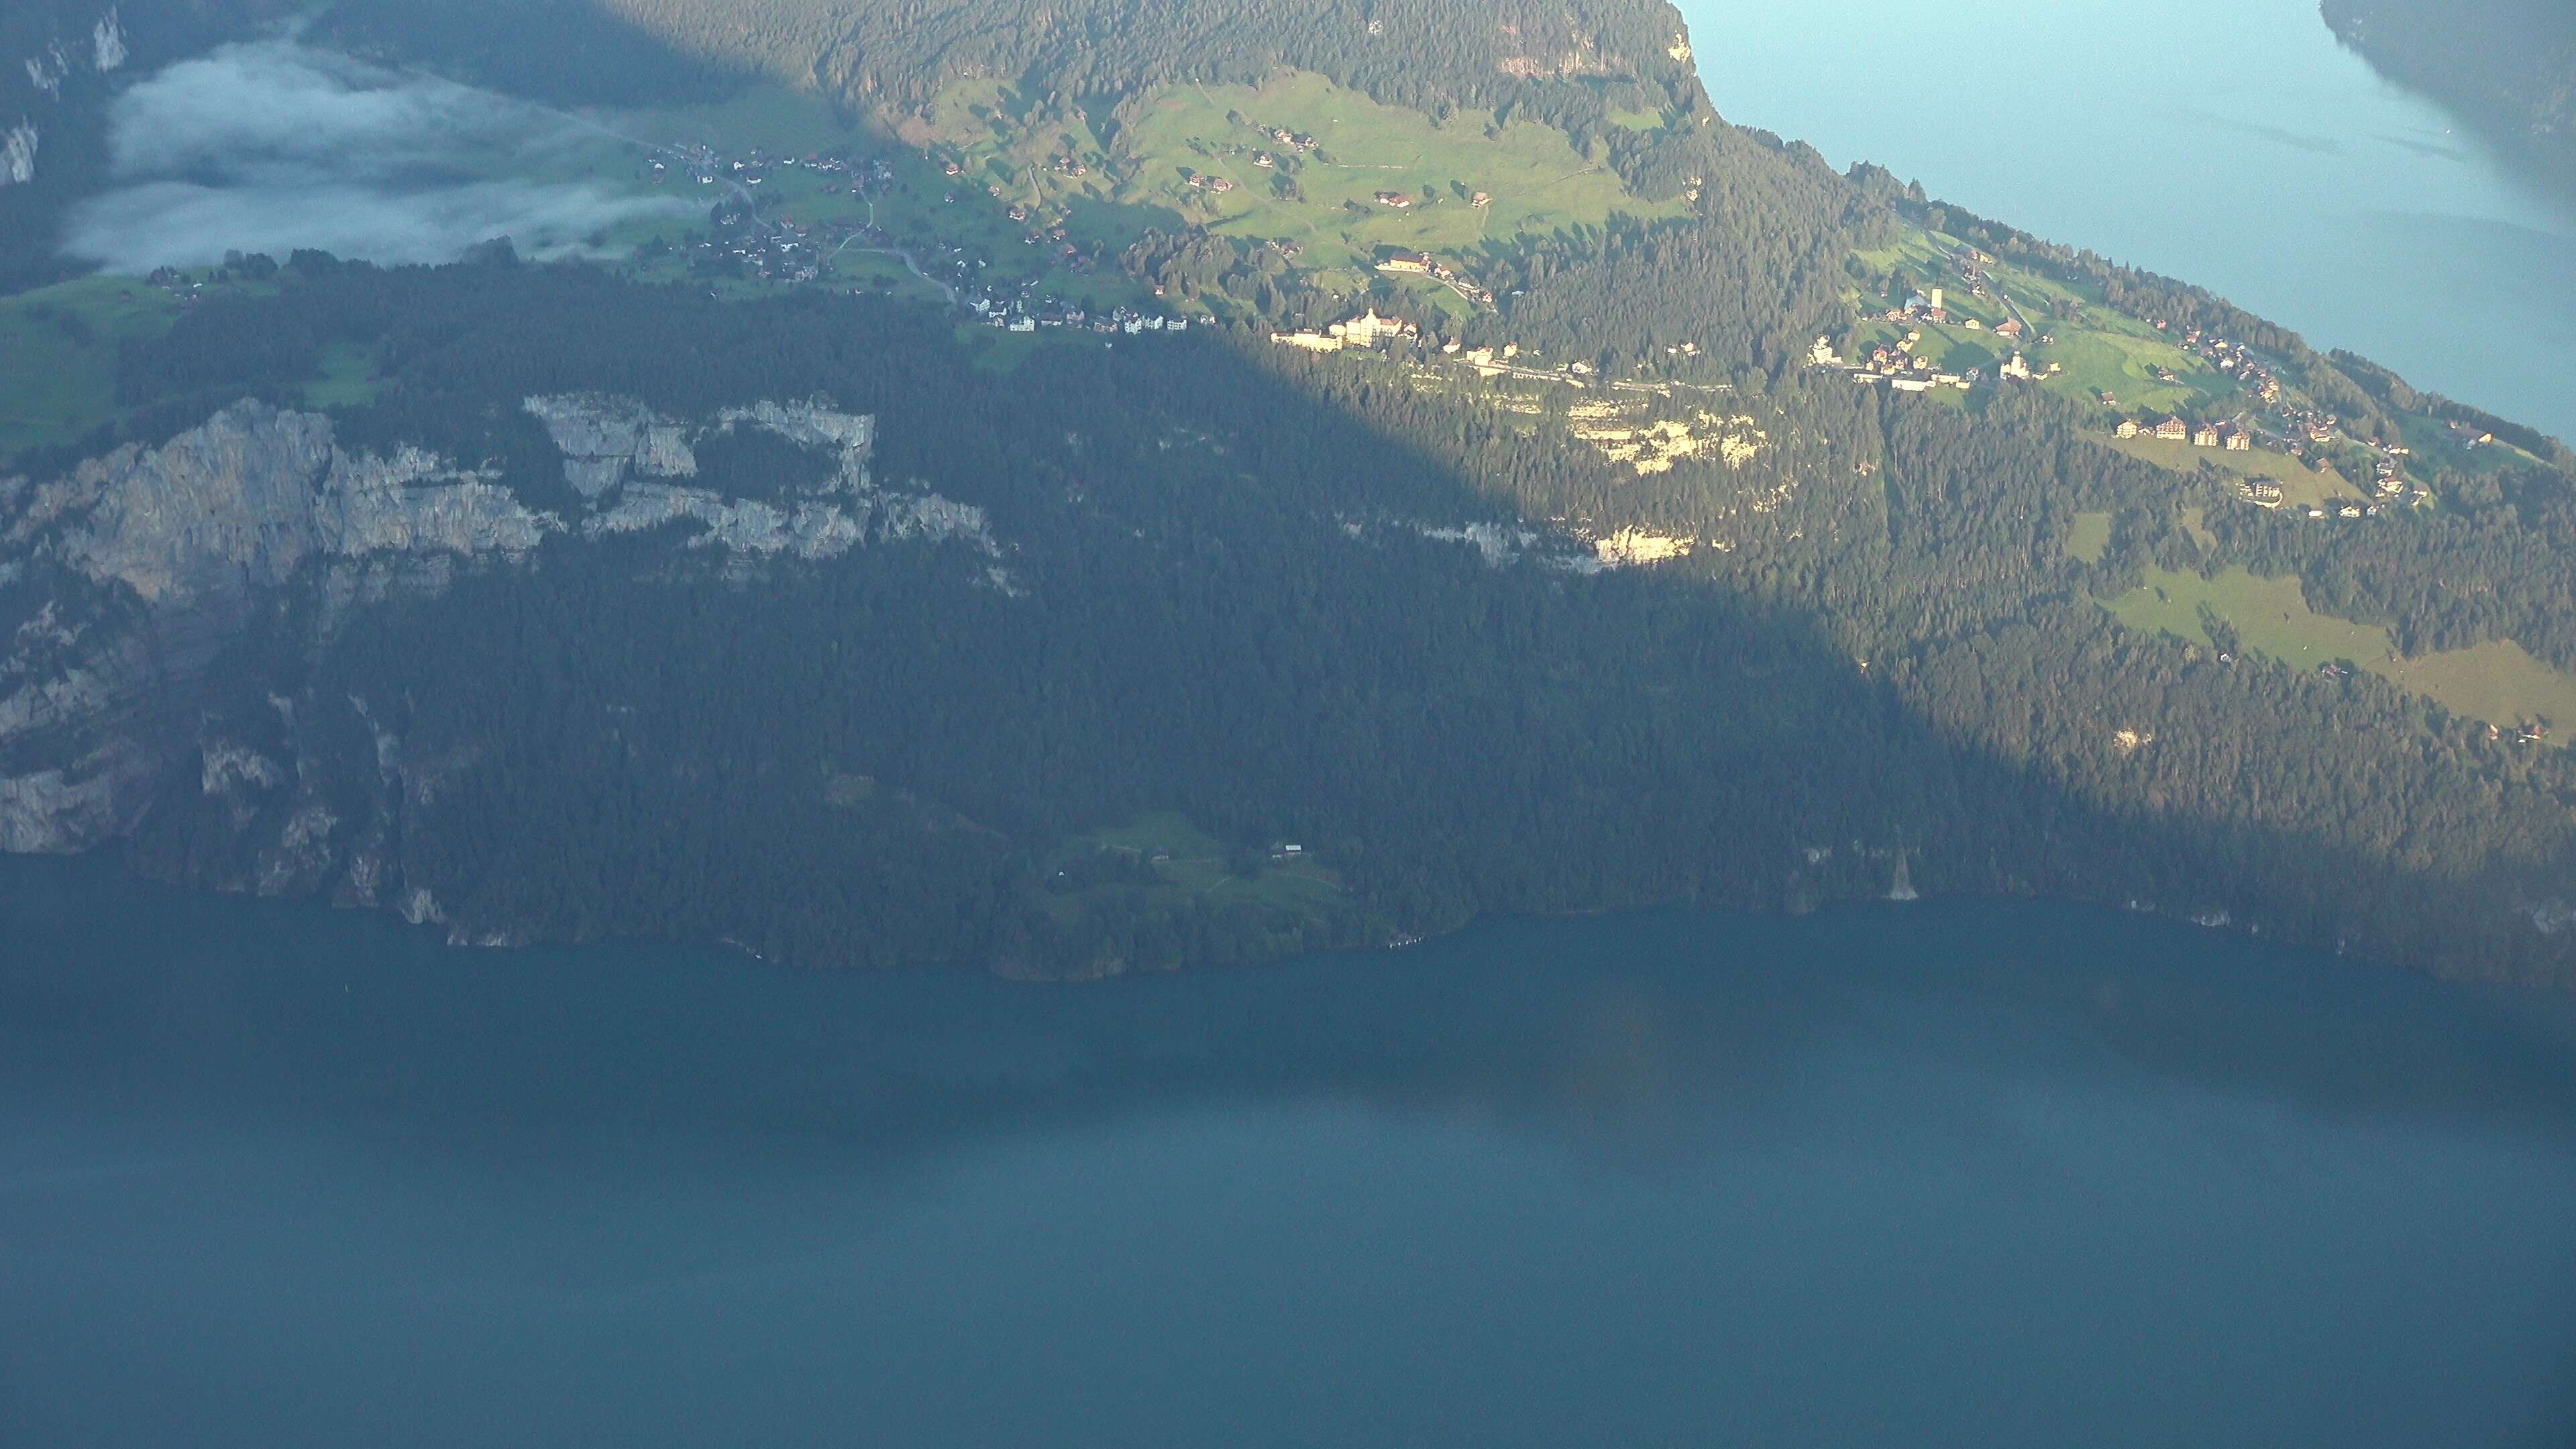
x=1029 y=315
x=2233 y=437
x=1934 y=307
x=1290 y=143
x=2266 y=493
x=1203 y=181
x=188 y=291
x=2235 y=362
x=1287 y=139
x=1393 y=200
x=1897 y=363
x=1899 y=366
x=779 y=251
x=1418 y=264
x=868 y=175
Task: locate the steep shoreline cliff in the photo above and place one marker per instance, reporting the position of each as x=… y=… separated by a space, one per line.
x=2507 y=65
x=144 y=580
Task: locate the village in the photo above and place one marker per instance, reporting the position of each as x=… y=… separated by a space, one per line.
x=749 y=241
x=769 y=244
x=1419 y=264
x=2306 y=435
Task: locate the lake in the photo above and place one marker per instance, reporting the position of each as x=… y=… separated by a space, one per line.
x=1999 y=1174
x=2233 y=143
x=2003 y=1174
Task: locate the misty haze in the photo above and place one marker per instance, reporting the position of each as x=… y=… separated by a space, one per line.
x=274 y=146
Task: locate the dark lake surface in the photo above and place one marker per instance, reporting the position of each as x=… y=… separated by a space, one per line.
x=1995 y=1174
x=2233 y=143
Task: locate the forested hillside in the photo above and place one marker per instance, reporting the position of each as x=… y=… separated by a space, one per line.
x=1656 y=538
x=1289 y=605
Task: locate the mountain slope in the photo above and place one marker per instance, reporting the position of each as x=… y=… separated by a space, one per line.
x=862 y=630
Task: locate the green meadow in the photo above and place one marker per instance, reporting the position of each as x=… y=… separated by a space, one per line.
x=2090 y=538
x=2302 y=486
x=1324 y=202
x=58 y=348
x=2498 y=681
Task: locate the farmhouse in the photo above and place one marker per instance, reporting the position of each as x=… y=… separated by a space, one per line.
x=2173 y=430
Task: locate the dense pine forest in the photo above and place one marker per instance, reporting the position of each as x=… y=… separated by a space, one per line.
x=1232 y=601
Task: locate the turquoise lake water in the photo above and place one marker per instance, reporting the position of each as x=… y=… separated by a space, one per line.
x=2001 y=1174
x=2233 y=143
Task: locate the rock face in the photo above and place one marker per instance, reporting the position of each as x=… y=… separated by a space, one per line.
x=242 y=502
x=630 y=464
x=606 y=440
x=18 y=155
x=107 y=42
x=129 y=586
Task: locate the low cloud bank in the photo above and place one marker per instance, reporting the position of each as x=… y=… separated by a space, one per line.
x=271 y=146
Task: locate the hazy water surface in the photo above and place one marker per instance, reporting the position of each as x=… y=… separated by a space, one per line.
x=2233 y=143
x=1992 y=1174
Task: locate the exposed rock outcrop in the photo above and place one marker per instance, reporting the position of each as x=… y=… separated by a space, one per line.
x=107 y=42
x=629 y=460
x=18 y=154
x=607 y=440
x=137 y=571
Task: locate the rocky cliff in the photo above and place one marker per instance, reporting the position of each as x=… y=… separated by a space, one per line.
x=146 y=595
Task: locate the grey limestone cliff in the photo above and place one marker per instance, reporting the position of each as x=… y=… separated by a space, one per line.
x=129 y=583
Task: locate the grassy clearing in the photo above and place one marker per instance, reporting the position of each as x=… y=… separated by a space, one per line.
x=2301 y=485
x=2090 y=538
x=1190 y=864
x=1325 y=202
x=348 y=378
x=58 y=349
x=2270 y=615
x=2097 y=349
x=2125 y=366
x=927 y=213
x=2497 y=681
x=2436 y=448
